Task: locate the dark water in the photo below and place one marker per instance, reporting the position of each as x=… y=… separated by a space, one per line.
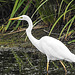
x=33 y=63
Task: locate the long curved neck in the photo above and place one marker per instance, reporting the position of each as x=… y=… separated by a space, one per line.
x=28 y=32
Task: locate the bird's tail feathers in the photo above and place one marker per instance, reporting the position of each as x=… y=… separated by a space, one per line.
x=72 y=59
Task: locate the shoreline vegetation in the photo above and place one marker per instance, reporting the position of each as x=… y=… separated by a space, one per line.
x=54 y=18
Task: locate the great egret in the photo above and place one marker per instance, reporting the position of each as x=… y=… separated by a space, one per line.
x=53 y=48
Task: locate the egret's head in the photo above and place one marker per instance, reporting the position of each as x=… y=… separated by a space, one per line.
x=23 y=17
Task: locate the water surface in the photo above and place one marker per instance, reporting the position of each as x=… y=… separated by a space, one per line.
x=34 y=63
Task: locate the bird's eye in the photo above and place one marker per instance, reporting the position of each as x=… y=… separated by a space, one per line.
x=21 y=17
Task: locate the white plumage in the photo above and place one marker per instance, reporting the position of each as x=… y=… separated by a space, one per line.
x=53 y=48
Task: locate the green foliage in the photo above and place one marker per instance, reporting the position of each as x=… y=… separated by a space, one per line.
x=39 y=7
x=46 y=10
x=71 y=41
x=59 y=11
x=68 y=7
x=18 y=59
x=70 y=25
x=71 y=20
x=58 y=21
x=51 y=12
x=16 y=7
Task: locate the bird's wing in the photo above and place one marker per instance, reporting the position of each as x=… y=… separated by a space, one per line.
x=54 y=48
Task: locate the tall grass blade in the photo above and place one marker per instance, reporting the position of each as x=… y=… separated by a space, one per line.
x=58 y=20
x=15 y=8
x=65 y=27
x=72 y=20
x=60 y=7
x=67 y=8
x=23 y=12
x=36 y=11
x=71 y=41
x=39 y=8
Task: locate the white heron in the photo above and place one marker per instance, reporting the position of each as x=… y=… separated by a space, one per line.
x=51 y=47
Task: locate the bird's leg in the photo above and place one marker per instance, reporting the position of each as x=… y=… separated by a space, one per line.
x=47 y=66
x=64 y=67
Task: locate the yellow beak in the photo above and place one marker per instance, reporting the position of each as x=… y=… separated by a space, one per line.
x=16 y=18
